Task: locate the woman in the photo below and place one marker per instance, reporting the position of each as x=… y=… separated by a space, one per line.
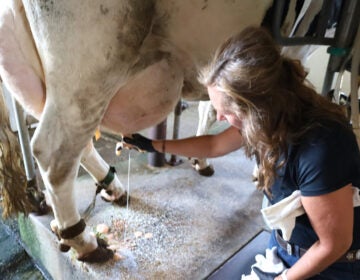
x=302 y=141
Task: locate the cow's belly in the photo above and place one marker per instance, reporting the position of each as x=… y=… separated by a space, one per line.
x=146 y=100
x=26 y=87
x=126 y=120
x=19 y=64
x=193 y=25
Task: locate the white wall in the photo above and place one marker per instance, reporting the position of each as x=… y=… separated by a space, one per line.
x=317 y=63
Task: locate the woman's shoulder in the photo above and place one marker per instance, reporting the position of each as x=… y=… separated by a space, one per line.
x=329 y=133
x=328 y=156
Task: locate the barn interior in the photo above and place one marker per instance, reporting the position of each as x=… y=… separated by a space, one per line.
x=178 y=224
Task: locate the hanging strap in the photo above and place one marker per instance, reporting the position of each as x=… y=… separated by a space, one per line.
x=104 y=183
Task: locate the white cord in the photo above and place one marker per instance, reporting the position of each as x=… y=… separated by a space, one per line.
x=128 y=195
x=340 y=77
x=128 y=182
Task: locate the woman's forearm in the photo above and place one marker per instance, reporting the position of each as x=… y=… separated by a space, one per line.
x=190 y=147
x=331 y=216
x=202 y=146
x=316 y=259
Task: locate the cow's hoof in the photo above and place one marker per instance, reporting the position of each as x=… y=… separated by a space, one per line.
x=207 y=171
x=123 y=200
x=36 y=198
x=107 y=193
x=64 y=248
x=99 y=255
x=44 y=208
x=41 y=209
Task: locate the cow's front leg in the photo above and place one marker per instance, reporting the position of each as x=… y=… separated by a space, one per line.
x=104 y=175
x=76 y=234
x=58 y=156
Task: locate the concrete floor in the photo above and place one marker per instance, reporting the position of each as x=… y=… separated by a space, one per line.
x=179 y=225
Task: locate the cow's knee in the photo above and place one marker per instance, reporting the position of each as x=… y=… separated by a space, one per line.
x=53 y=161
x=38 y=149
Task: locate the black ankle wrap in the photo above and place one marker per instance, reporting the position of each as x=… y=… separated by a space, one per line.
x=73 y=231
x=104 y=183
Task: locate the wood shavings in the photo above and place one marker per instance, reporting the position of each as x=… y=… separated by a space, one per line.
x=118 y=257
x=118 y=226
x=102 y=228
x=148 y=235
x=114 y=247
x=110 y=236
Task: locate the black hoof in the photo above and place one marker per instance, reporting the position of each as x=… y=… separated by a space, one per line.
x=42 y=209
x=64 y=248
x=99 y=255
x=122 y=200
x=207 y=172
x=37 y=199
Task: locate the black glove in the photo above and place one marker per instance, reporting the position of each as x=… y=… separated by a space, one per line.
x=139 y=142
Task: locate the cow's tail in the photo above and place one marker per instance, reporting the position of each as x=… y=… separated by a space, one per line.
x=13 y=183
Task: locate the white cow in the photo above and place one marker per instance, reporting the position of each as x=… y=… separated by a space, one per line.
x=121 y=64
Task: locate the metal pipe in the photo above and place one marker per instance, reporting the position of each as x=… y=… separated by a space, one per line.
x=349 y=20
x=345 y=33
x=157 y=132
x=328 y=79
x=24 y=139
x=177 y=114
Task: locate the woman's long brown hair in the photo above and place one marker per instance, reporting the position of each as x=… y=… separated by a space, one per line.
x=271 y=96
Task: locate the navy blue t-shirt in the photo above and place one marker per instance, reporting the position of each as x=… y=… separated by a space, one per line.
x=327 y=159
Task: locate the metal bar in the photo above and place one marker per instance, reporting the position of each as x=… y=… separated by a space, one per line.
x=345 y=32
x=294 y=41
x=348 y=23
x=324 y=16
x=177 y=116
x=24 y=139
x=344 y=35
x=276 y=27
x=328 y=79
x=157 y=132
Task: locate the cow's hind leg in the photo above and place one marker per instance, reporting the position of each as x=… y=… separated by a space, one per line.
x=107 y=181
x=58 y=151
x=207 y=118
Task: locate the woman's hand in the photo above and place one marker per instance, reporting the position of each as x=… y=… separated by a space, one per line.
x=138 y=142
